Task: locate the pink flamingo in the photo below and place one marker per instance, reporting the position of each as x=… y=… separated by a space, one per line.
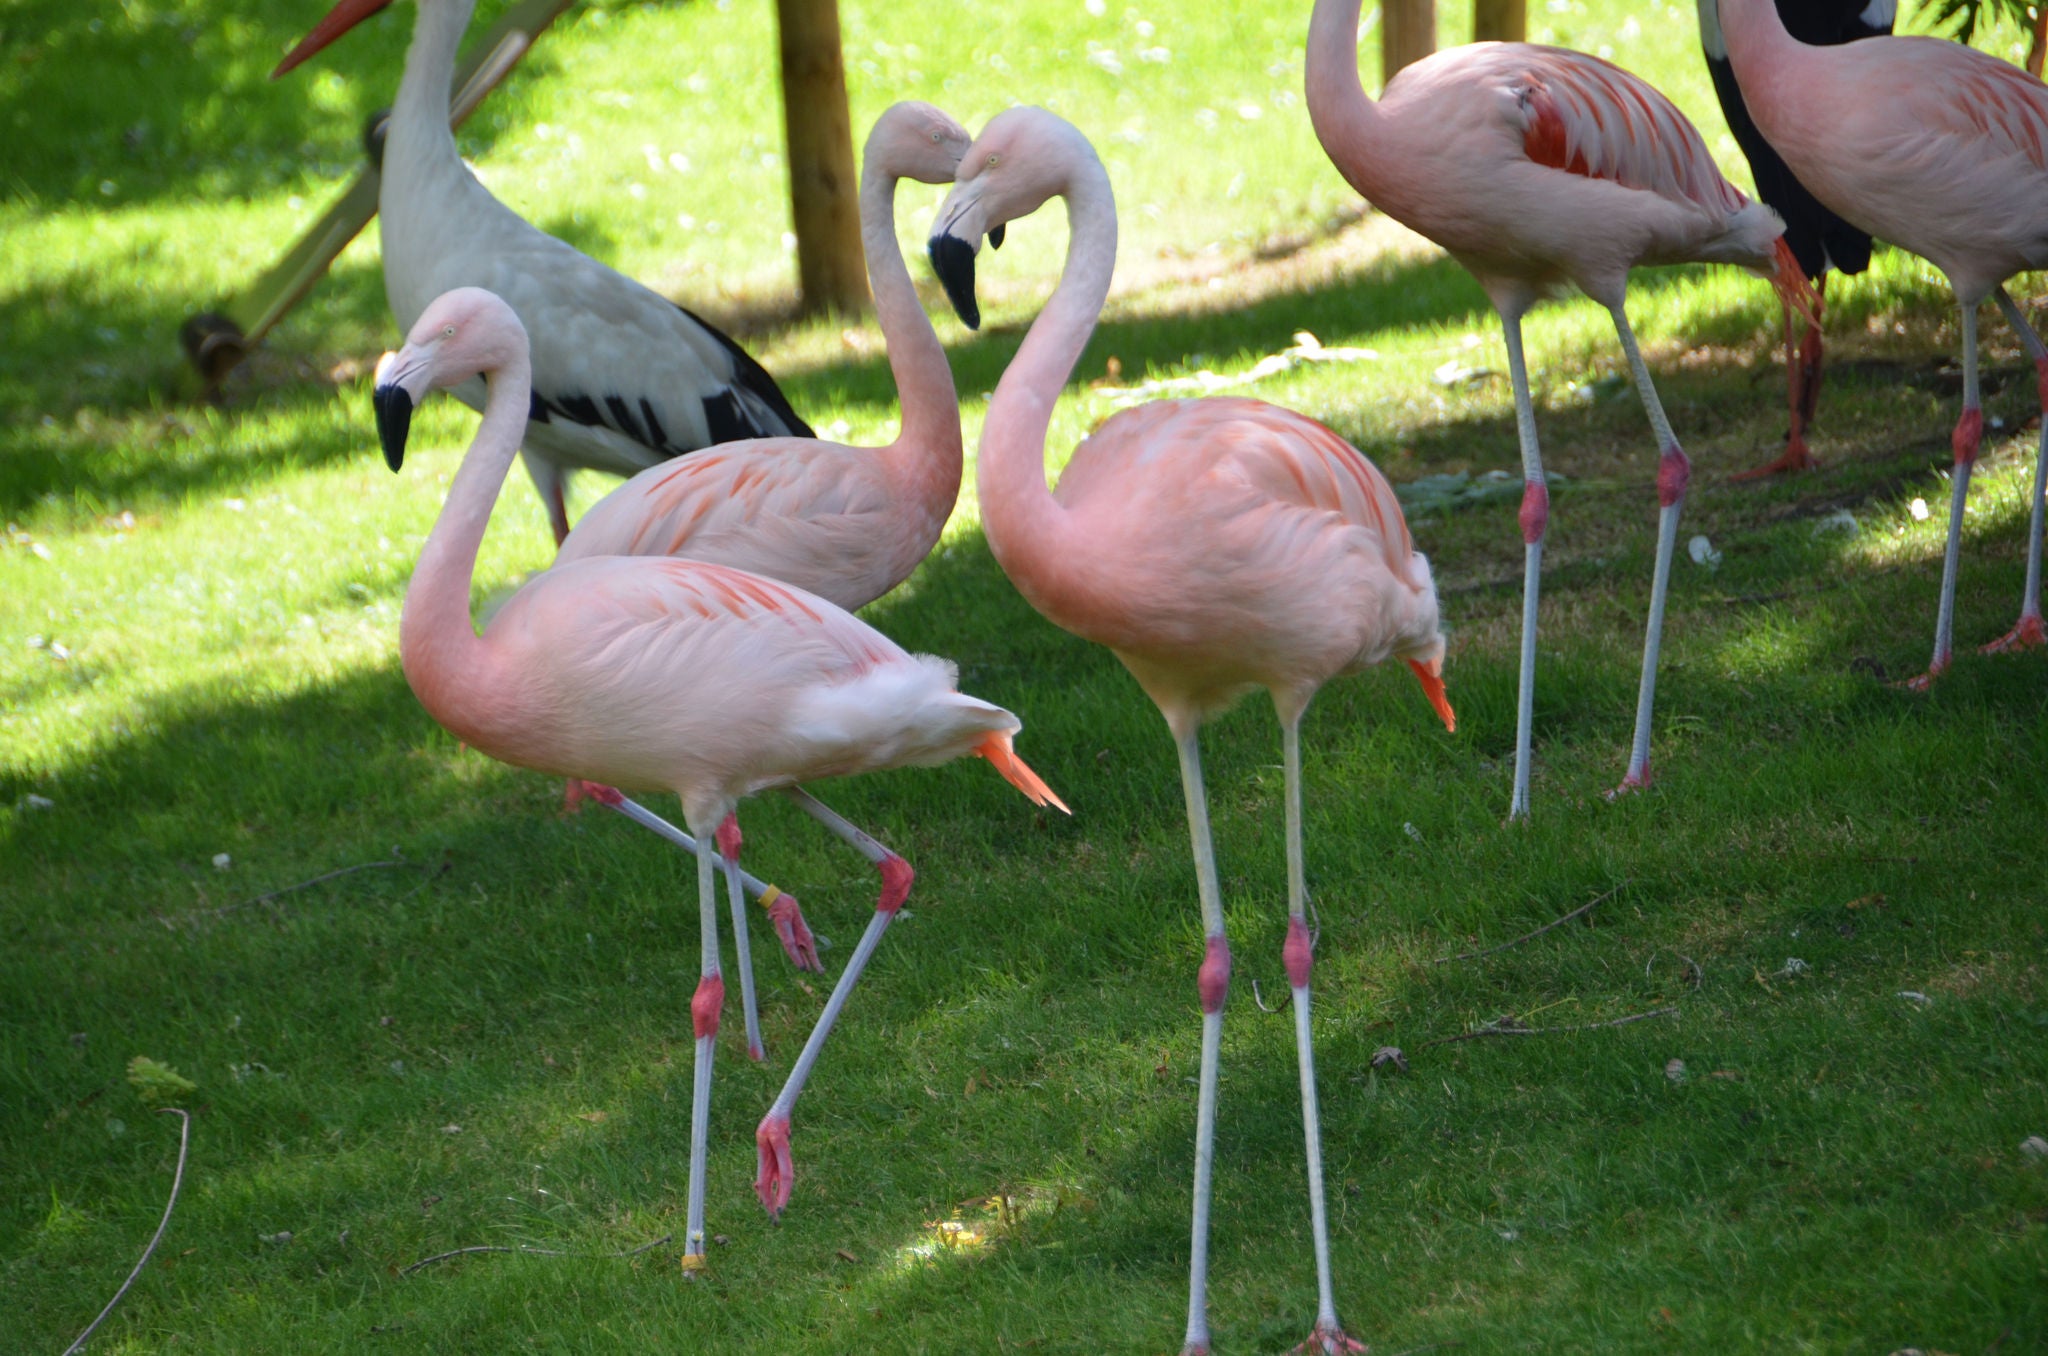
x=846 y=523
x=1945 y=154
x=1214 y=545
x=658 y=673
x=1535 y=168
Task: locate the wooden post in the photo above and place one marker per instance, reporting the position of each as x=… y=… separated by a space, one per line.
x=1407 y=33
x=1500 y=21
x=823 y=191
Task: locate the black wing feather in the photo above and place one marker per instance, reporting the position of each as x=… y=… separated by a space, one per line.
x=1819 y=239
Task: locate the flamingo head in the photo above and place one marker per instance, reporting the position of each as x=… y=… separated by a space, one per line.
x=339 y=20
x=1004 y=175
x=462 y=334
x=915 y=140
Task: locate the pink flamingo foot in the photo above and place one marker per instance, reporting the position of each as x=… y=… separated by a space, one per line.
x=1795 y=457
x=772 y=1186
x=1634 y=781
x=1329 y=1340
x=790 y=927
x=1926 y=680
x=2028 y=635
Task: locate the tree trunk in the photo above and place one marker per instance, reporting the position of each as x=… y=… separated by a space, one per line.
x=1407 y=34
x=2038 y=48
x=823 y=192
x=1500 y=21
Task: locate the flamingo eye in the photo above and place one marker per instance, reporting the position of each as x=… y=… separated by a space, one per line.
x=992 y=161
x=937 y=138
x=447 y=331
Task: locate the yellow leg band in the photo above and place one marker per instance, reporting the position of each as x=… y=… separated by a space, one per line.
x=693 y=1261
x=769 y=895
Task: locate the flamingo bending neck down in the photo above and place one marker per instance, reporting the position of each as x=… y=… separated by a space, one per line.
x=660 y=674
x=1215 y=546
x=1537 y=167
x=1945 y=153
x=846 y=523
x=622 y=378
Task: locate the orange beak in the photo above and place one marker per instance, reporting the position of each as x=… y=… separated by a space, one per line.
x=1433 y=686
x=339 y=20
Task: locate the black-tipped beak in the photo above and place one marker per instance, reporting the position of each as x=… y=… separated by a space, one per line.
x=953 y=262
x=394 y=421
x=995 y=236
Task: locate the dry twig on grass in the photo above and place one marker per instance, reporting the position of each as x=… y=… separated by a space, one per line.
x=177 y=1181
x=1582 y=909
x=530 y=1250
x=431 y=869
x=1508 y=1026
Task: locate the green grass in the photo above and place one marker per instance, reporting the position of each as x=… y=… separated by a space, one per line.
x=198 y=610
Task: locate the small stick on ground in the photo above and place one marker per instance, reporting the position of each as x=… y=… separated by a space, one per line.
x=1699 y=976
x=432 y=869
x=1262 y=1002
x=1506 y=1026
x=177 y=1181
x=1583 y=908
x=535 y=1252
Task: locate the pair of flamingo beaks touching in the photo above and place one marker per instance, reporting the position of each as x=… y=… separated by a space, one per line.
x=649 y=671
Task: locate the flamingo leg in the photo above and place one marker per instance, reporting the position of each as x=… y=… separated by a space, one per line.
x=728 y=837
x=2029 y=632
x=1328 y=1338
x=771 y=1138
x=1969 y=432
x=1535 y=519
x=1673 y=471
x=705 y=1008
x=1802 y=382
x=1212 y=984
x=1810 y=355
x=776 y=900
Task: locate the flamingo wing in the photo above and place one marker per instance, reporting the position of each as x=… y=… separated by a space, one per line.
x=1985 y=98
x=713 y=505
x=1586 y=116
x=1226 y=456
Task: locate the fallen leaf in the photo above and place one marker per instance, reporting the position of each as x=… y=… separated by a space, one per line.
x=846 y=1256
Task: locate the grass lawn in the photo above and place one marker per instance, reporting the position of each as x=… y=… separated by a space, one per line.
x=482 y=1037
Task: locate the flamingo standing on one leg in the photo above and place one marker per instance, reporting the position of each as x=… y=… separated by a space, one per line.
x=622 y=378
x=1214 y=545
x=1819 y=239
x=648 y=673
x=1944 y=152
x=1537 y=167
x=846 y=523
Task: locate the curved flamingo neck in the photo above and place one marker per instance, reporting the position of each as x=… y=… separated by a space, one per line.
x=1027 y=529
x=1344 y=117
x=930 y=432
x=437 y=643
